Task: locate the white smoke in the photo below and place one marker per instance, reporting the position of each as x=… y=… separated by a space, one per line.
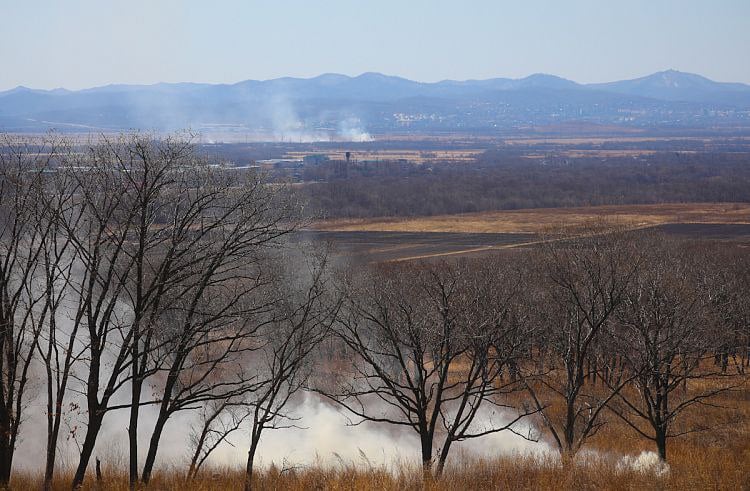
x=325 y=436
x=288 y=126
x=645 y=463
x=321 y=436
x=350 y=129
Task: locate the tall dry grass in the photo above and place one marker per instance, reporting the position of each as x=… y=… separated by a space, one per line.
x=716 y=459
x=695 y=468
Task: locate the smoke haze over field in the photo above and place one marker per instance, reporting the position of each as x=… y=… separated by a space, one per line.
x=323 y=435
x=287 y=125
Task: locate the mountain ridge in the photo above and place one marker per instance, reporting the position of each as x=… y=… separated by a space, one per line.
x=378 y=102
x=546 y=78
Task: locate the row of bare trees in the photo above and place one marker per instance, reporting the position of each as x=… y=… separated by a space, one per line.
x=135 y=274
x=593 y=324
x=428 y=348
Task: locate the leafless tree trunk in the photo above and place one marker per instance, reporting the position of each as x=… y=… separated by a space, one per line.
x=56 y=346
x=25 y=233
x=582 y=281
x=219 y=419
x=664 y=333
x=430 y=342
x=284 y=364
x=99 y=240
x=118 y=189
x=213 y=313
x=726 y=289
x=170 y=255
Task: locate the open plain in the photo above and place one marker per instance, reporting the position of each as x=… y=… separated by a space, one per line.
x=399 y=239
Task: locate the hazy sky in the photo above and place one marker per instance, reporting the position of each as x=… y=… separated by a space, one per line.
x=84 y=43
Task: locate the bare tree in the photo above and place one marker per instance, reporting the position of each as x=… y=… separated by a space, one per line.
x=169 y=253
x=278 y=366
x=582 y=280
x=209 y=339
x=25 y=232
x=429 y=345
x=56 y=343
x=664 y=332
x=159 y=229
x=283 y=366
x=218 y=420
x=726 y=289
x=221 y=295
x=100 y=237
x=152 y=173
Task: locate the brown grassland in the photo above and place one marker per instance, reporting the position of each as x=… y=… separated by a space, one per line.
x=540 y=219
x=413 y=156
x=575 y=154
x=715 y=459
x=601 y=140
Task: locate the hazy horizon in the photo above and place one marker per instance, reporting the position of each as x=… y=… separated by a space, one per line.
x=355 y=75
x=83 y=43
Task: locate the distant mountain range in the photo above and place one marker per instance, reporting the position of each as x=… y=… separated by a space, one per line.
x=338 y=106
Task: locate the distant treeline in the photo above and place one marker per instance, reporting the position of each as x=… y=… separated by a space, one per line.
x=501 y=181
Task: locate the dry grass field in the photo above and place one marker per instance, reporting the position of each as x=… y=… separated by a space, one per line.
x=574 y=154
x=719 y=459
x=412 y=156
x=600 y=140
x=716 y=459
x=401 y=239
x=538 y=220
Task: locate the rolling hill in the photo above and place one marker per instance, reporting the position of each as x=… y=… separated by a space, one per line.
x=338 y=105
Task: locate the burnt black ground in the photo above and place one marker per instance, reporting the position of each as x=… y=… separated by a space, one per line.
x=390 y=246
x=707 y=231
